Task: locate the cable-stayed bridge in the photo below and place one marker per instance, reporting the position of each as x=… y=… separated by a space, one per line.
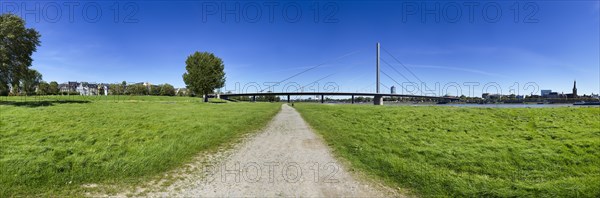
x=377 y=96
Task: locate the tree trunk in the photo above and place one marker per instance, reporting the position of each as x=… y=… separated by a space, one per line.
x=205 y=97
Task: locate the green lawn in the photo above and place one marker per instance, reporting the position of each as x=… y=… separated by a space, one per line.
x=54 y=145
x=468 y=152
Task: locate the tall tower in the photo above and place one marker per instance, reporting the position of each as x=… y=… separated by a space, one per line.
x=574 y=89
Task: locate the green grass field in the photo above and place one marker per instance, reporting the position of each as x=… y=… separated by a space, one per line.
x=468 y=152
x=53 y=145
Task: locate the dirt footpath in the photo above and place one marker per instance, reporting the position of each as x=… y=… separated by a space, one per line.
x=286 y=159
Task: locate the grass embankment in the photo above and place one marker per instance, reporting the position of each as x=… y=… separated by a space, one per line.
x=473 y=152
x=53 y=147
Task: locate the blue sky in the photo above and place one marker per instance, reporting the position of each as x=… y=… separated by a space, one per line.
x=547 y=44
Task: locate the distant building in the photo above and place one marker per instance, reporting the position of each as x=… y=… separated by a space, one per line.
x=488 y=96
x=87 y=89
x=546 y=92
x=393 y=90
x=485 y=95
x=183 y=92
x=553 y=95
x=83 y=88
x=73 y=86
x=574 y=94
x=63 y=87
x=496 y=96
x=92 y=89
x=104 y=87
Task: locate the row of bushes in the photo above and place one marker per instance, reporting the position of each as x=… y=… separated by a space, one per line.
x=139 y=89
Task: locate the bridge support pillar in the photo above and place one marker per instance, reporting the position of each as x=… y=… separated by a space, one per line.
x=352 y=99
x=253 y=98
x=378 y=100
x=288 y=98
x=322 y=99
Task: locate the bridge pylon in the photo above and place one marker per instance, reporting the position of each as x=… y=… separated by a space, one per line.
x=377 y=99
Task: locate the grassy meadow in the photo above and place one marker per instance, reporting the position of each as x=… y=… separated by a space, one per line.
x=434 y=151
x=53 y=145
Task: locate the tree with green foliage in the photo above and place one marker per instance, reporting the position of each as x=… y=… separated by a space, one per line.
x=100 y=90
x=17 y=44
x=30 y=81
x=269 y=98
x=137 y=89
x=116 y=89
x=167 y=90
x=154 y=90
x=205 y=73
x=53 y=88
x=43 y=88
x=124 y=87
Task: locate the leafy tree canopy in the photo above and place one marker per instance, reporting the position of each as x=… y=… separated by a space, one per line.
x=17 y=44
x=167 y=90
x=205 y=73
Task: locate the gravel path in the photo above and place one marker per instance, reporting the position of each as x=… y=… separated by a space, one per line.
x=286 y=159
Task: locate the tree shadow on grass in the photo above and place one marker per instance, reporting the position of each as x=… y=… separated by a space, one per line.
x=42 y=103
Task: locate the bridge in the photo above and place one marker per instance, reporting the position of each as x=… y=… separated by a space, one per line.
x=377 y=96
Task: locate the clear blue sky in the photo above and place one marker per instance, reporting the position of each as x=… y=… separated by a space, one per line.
x=549 y=43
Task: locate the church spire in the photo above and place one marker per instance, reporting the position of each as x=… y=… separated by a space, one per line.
x=574 y=88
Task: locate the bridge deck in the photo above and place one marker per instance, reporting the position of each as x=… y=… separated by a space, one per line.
x=331 y=94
